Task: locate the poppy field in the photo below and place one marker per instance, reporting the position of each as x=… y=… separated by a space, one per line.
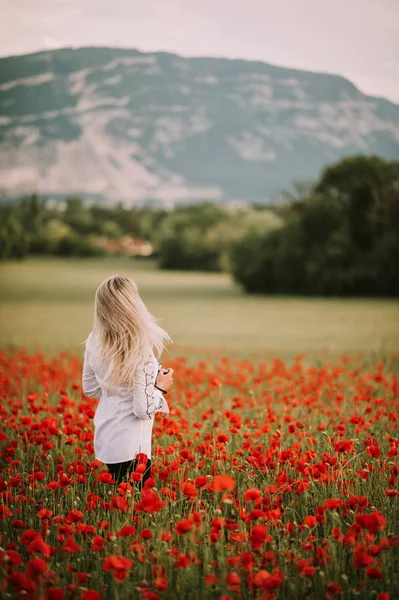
x=270 y=480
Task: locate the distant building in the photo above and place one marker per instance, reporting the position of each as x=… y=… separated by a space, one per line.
x=126 y=245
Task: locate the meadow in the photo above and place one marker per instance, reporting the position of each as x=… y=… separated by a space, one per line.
x=48 y=304
x=275 y=475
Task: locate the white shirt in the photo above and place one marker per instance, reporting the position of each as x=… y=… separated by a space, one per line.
x=124 y=418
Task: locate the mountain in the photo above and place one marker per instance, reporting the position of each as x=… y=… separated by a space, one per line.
x=122 y=125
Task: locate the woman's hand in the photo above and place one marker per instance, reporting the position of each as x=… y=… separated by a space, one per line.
x=164 y=379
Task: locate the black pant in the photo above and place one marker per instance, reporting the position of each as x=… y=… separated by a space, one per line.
x=121 y=471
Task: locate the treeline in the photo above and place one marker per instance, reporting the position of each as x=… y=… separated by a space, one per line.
x=339 y=237
x=189 y=237
x=70 y=228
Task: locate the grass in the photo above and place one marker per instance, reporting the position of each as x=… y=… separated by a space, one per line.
x=48 y=304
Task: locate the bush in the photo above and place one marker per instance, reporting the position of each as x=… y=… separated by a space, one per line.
x=73 y=244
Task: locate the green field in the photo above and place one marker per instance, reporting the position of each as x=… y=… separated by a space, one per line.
x=48 y=303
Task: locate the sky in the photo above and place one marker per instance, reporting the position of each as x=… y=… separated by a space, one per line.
x=358 y=39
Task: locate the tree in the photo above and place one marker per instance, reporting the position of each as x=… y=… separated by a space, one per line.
x=368 y=186
x=31 y=214
x=341 y=239
x=77 y=216
x=183 y=241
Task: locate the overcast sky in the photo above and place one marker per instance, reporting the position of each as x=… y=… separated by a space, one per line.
x=358 y=39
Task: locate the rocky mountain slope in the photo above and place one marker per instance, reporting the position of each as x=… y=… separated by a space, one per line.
x=122 y=125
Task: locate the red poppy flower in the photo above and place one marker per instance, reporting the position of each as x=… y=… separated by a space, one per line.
x=145 y=534
x=310 y=521
x=44 y=513
x=150 y=502
x=308 y=571
x=267 y=581
x=258 y=536
x=166 y=536
x=374 y=451
x=90 y=595
x=142 y=458
x=161 y=584
x=119 y=503
x=200 y=481
x=18 y=524
x=35 y=568
x=332 y=503
x=5 y=512
x=189 y=489
x=223 y=483
x=55 y=594
x=98 y=543
x=182 y=562
x=39 y=545
x=344 y=446
x=105 y=477
x=71 y=546
x=334 y=589
x=253 y=495
x=372 y=522
x=233 y=581
x=13 y=558
x=183 y=526
x=74 y=516
x=374 y=573
x=126 y=531
x=118 y=565
x=362 y=559
x=20 y=582
x=53 y=485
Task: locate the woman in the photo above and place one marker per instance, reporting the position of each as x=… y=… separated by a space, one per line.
x=120 y=366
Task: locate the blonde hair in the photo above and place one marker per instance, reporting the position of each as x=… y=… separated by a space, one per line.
x=124 y=332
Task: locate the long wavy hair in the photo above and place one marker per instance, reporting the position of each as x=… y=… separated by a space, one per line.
x=124 y=332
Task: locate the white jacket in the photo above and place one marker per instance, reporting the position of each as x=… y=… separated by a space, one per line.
x=124 y=418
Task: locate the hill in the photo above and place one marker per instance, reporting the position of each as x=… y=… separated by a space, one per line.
x=121 y=125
